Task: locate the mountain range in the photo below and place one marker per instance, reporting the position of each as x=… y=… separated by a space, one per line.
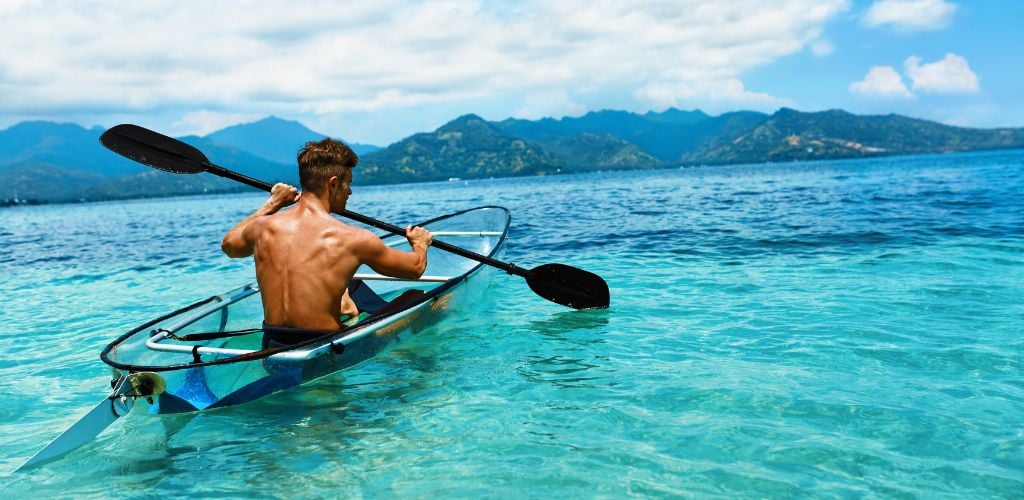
x=53 y=162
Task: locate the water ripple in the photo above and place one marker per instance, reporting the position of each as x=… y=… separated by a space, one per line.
x=841 y=329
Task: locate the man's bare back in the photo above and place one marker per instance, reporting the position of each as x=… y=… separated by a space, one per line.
x=304 y=262
x=305 y=257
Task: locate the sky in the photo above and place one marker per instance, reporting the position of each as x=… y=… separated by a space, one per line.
x=376 y=72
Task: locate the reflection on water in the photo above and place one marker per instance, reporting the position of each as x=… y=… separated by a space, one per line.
x=564 y=322
x=572 y=354
x=562 y=371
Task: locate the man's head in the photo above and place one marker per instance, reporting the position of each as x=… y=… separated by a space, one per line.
x=325 y=167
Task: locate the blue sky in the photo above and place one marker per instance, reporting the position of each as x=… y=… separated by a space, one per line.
x=984 y=33
x=377 y=72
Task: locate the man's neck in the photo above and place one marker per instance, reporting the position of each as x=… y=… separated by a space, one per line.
x=314 y=203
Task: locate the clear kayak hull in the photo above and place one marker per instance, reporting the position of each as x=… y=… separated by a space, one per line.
x=211 y=353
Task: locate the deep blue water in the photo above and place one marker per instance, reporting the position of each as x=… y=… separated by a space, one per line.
x=850 y=328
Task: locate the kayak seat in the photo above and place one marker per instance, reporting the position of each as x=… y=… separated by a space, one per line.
x=399 y=302
x=365 y=298
x=369 y=302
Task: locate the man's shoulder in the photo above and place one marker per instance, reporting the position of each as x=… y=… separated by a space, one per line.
x=271 y=220
x=351 y=232
x=336 y=228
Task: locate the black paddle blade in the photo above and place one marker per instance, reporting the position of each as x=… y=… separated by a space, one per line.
x=569 y=286
x=154 y=149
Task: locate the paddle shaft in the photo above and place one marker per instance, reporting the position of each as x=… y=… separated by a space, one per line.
x=391 y=228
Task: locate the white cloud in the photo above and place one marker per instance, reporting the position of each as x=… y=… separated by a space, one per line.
x=716 y=95
x=549 y=103
x=881 y=81
x=974 y=115
x=822 y=48
x=151 y=58
x=949 y=75
x=910 y=15
x=203 y=122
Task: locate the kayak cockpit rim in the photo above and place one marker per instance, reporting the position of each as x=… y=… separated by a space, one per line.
x=306 y=349
x=448 y=234
x=349 y=336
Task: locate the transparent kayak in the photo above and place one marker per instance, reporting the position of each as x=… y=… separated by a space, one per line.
x=211 y=354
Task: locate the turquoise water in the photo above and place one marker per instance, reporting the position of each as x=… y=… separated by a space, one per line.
x=831 y=329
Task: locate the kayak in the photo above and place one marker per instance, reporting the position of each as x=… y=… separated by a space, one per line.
x=215 y=353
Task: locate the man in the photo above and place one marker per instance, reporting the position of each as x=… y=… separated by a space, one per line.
x=305 y=257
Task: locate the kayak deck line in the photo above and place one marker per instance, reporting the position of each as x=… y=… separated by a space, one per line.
x=225 y=300
x=448 y=234
x=154 y=344
x=381 y=277
x=466 y=233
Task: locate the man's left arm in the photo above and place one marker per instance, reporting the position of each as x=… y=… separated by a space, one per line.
x=240 y=243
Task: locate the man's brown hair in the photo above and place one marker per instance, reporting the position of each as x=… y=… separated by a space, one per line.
x=320 y=160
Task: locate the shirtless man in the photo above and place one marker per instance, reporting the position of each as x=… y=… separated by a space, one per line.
x=305 y=257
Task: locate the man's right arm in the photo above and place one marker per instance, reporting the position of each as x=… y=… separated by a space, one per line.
x=391 y=262
x=240 y=240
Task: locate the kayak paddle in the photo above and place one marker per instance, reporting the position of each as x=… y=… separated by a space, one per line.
x=559 y=283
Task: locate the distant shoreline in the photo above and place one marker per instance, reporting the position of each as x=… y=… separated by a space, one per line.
x=9 y=203
x=35 y=154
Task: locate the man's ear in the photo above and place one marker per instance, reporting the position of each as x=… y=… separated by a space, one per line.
x=332 y=182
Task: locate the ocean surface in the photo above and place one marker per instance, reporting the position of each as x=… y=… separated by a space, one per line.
x=827 y=329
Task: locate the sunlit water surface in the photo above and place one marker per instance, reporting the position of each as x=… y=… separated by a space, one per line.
x=839 y=329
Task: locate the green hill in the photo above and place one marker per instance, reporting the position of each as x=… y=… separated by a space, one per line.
x=46 y=182
x=273 y=139
x=62 y=162
x=588 y=152
x=792 y=135
x=665 y=135
x=467 y=147
x=69 y=146
x=52 y=162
